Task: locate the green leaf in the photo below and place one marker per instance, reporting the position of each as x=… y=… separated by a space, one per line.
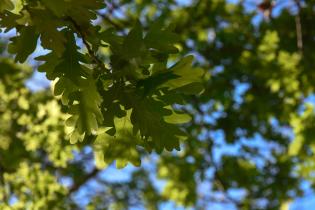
x=83 y=11
x=24 y=44
x=151 y=83
x=111 y=38
x=8 y=20
x=296 y=146
x=64 y=87
x=147 y=117
x=161 y=39
x=186 y=75
x=51 y=60
x=6 y=5
x=133 y=43
x=87 y=111
x=120 y=147
x=77 y=88
x=176 y=118
x=191 y=89
x=47 y=25
x=58 y=7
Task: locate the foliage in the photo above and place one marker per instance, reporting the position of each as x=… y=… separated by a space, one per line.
x=126 y=89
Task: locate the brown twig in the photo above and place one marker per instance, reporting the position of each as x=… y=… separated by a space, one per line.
x=76 y=186
x=298 y=25
x=218 y=181
x=2 y=182
x=81 y=33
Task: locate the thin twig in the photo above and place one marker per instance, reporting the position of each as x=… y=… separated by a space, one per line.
x=2 y=182
x=75 y=187
x=97 y=61
x=299 y=35
x=217 y=179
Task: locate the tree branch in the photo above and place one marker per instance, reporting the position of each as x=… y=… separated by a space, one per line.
x=218 y=181
x=298 y=25
x=2 y=182
x=76 y=186
x=97 y=61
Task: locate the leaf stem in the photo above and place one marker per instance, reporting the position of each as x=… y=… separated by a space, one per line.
x=97 y=61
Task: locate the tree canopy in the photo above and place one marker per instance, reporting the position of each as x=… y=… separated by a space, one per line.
x=203 y=102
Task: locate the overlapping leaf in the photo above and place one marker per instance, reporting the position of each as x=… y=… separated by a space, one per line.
x=77 y=88
x=24 y=44
x=6 y=5
x=122 y=147
x=139 y=81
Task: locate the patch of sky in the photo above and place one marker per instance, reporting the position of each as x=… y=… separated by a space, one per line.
x=305 y=202
x=251 y=7
x=13 y=199
x=184 y=2
x=112 y=174
x=84 y=195
x=217 y=70
x=38 y=81
x=171 y=206
x=284 y=130
x=237 y=193
x=263 y=147
x=239 y=91
x=309 y=100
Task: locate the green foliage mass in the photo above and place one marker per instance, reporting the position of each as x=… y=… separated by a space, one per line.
x=238 y=116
